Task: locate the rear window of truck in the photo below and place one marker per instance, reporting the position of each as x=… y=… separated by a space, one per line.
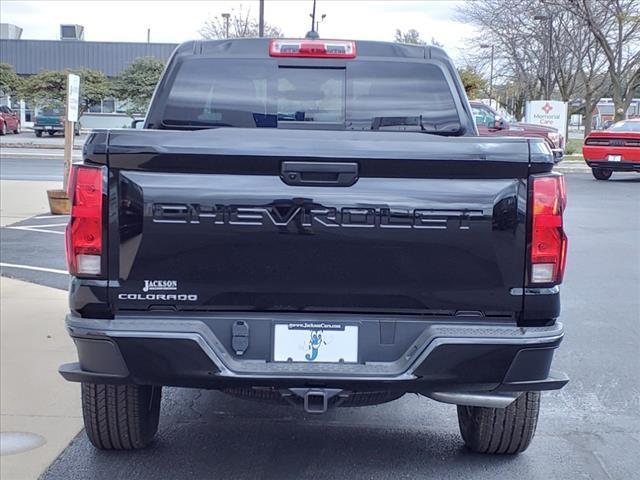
x=207 y=93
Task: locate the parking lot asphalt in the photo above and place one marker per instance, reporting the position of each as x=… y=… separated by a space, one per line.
x=590 y=429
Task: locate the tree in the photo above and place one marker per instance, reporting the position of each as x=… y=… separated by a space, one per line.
x=137 y=82
x=10 y=82
x=48 y=87
x=615 y=24
x=411 y=36
x=241 y=24
x=472 y=81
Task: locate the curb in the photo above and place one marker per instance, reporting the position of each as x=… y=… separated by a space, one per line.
x=54 y=146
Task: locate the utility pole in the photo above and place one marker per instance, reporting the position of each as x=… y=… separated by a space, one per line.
x=313 y=17
x=148 y=35
x=261 y=20
x=226 y=24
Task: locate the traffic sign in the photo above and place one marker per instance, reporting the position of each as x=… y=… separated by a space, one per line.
x=73 y=97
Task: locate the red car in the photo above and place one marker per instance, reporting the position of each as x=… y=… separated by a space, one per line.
x=616 y=149
x=491 y=123
x=9 y=121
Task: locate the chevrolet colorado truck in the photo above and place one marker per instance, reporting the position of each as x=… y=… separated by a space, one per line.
x=316 y=223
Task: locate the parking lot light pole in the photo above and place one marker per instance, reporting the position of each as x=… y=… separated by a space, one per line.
x=549 y=19
x=261 y=19
x=485 y=45
x=226 y=24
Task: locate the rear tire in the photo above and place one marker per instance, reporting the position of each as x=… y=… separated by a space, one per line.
x=601 y=173
x=500 y=430
x=120 y=417
x=3 y=130
x=17 y=130
x=38 y=133
x=52 y=133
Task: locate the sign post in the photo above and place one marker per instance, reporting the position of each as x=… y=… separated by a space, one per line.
x=548 y=113
x=73 y=100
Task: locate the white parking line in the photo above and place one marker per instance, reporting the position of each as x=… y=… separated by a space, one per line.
x=45 y=226
x=34 y=229
x=37 y=269
x=40 y=217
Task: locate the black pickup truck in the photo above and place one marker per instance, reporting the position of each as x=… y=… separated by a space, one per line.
x=317 y=223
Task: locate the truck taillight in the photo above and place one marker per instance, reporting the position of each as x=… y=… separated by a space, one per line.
x=548 y=240
x=84 y=231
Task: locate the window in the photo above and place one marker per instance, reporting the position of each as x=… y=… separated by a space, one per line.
x=482 y=115
x=625 y=126
x=359 y=96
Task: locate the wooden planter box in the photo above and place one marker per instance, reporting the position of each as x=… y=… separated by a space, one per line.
x=59 y=202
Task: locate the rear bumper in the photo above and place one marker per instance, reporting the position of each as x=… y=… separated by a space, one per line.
x=444 y=357
x=615 y=166
x=49 y=128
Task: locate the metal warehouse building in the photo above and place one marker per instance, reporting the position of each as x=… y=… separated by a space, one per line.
x=30 y=56
x=71 y=51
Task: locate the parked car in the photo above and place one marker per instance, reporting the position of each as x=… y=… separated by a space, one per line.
x=616 y=149
x=51 y=120
x=329 y=236
x=491 y=123
x=9 y=120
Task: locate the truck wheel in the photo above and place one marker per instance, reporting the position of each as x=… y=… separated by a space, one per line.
x=52 y=133
x=120 y=417
x=601 y=173
x=17 y=130
x=38 y=133
x=500 y=430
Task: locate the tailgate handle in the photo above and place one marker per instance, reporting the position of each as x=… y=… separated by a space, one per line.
x=332 y=174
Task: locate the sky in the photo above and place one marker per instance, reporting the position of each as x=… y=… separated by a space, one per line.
x=176 y=21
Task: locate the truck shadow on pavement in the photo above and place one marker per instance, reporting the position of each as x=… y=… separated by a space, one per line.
x=206 y=434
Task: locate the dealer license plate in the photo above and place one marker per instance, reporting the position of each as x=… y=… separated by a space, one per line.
x=315 y=342
x=614 y=158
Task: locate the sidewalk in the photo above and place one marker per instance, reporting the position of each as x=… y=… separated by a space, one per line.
x=23 y=199
x=34 y=398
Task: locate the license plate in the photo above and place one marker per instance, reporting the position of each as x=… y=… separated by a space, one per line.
x=614 y=158
x=315 y=342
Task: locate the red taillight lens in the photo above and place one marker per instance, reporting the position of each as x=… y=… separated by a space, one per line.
x=548 y=240
x=312 y=48
x=84 y=231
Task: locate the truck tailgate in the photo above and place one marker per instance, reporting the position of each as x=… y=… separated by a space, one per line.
x=213 y=220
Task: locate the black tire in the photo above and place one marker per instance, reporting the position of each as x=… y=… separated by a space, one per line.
x=500 y=430
x=51 y=133
x=601 y=173
x=38 y=133
x=120 y=417
x=17 y=130
x=3 y=130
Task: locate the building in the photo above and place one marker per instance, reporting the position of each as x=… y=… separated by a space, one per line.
x=71 y=51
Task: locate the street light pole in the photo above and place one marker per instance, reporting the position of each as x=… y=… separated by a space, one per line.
x=484 y=45
x=261 y=19
x=226 y=24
